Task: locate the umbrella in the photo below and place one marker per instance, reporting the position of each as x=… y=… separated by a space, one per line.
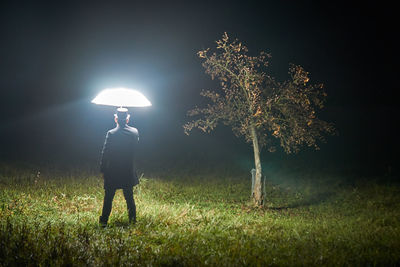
x=121 y=97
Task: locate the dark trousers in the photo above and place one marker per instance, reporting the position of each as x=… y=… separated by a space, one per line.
x=107 y=203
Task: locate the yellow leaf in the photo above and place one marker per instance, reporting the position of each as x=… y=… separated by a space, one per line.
x=258 y=112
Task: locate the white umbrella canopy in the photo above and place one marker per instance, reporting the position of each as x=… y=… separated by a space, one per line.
x=121 y=97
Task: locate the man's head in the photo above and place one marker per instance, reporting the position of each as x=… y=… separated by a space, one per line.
x=122 y=116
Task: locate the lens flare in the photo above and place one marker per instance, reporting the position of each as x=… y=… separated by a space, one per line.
x=121 y=97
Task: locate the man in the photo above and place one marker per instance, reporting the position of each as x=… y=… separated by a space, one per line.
x=117 y=165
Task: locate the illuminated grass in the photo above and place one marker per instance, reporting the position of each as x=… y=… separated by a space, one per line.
x=197 y=220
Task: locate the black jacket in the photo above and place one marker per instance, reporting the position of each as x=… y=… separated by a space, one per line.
x=117 y=159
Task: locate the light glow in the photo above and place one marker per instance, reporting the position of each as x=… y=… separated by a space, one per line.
x=121 y=97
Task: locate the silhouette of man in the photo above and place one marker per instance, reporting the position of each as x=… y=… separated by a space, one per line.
x=117 y=165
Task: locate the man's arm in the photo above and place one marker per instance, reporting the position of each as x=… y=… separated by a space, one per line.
x=136 y=142
x=104 y=154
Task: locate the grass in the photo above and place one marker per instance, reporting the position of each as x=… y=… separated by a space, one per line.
x=193 y=220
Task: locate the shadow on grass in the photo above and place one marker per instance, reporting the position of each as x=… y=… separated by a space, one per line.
x=312 y=200
x=122 y=224
x=142 y=221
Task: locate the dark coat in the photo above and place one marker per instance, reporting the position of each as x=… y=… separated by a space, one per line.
x=117 y=159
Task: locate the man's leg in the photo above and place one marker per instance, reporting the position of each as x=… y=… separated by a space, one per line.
x=130 y=203
x=107 y=205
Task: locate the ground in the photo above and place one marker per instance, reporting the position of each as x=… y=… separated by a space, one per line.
x=312 y=217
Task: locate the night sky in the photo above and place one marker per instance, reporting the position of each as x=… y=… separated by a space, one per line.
x=55 y=57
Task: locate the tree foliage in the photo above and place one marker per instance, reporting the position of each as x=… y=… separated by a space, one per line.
x=283 y=111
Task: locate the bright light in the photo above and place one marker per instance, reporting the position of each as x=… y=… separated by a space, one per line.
x=121 y=97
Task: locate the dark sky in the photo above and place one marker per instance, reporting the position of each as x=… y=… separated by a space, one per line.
x=55 y=57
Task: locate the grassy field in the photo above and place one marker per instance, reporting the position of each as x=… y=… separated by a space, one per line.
x=185 y=219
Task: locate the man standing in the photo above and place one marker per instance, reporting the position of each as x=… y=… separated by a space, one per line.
x=117 y=165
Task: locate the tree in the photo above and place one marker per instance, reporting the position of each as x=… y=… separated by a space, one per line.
x=258 y=107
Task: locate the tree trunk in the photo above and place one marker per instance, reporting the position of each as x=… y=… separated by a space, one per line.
x=257 y=193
